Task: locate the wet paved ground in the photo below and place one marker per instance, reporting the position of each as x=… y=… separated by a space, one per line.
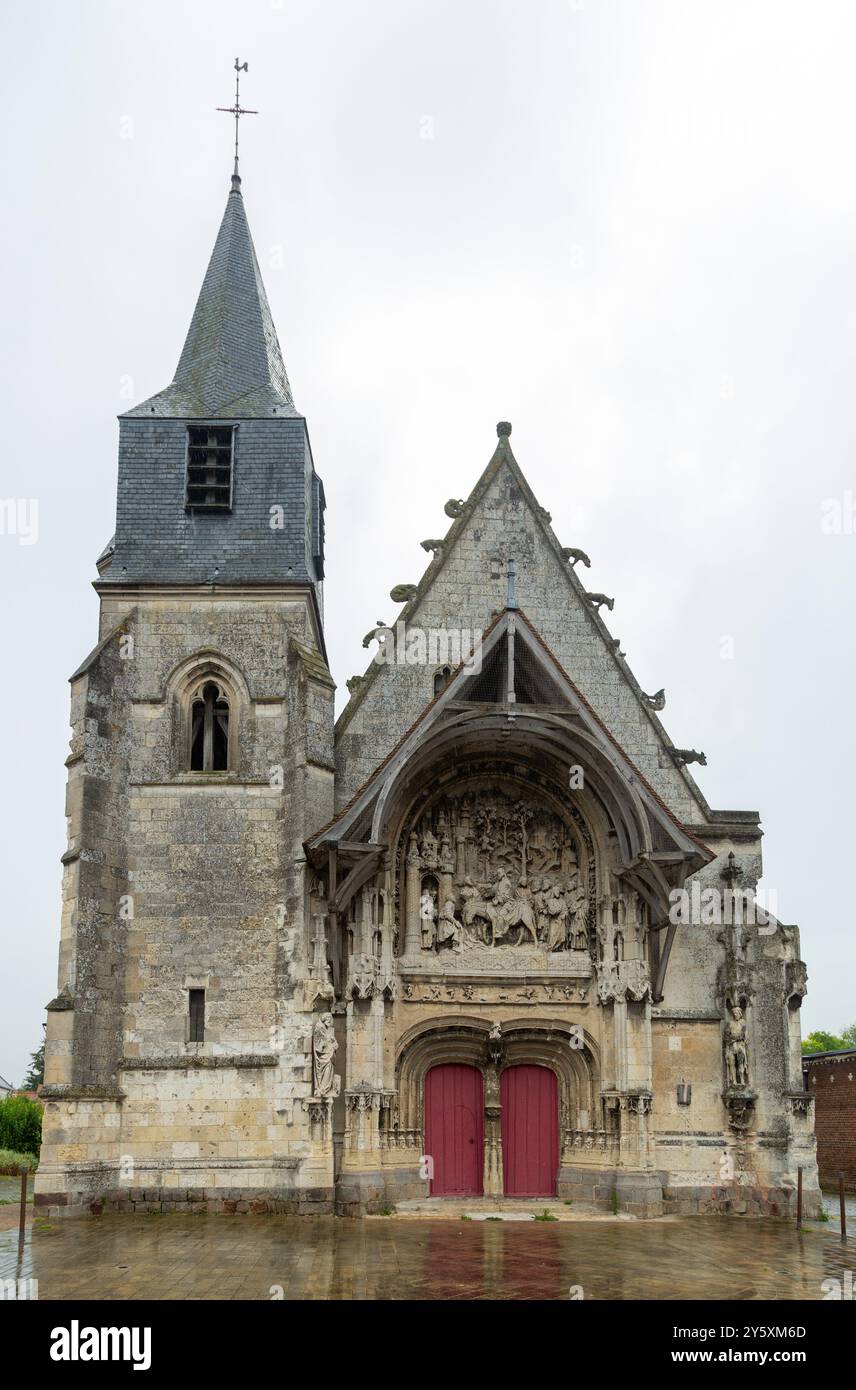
x=243 y=1257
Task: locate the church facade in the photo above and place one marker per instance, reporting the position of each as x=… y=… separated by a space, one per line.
x=482 y=935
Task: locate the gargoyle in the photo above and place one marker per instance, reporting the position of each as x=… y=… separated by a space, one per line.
x=435 y=547
x=402 y=593
x=454 y=506
x=370 y=636
x=682 y=756
x=598 y=600
x=354 y=684
x=656 y=701
x=575 y=556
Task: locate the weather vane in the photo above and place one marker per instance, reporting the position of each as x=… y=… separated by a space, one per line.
x=238 y=110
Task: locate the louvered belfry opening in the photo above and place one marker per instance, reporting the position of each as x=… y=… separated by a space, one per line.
x=209 y=732
x=209 y=467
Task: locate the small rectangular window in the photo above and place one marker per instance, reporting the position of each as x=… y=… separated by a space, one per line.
x=197 y=1015
x=209 y=468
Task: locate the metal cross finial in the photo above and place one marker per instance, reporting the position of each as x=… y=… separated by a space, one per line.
x=238 y=111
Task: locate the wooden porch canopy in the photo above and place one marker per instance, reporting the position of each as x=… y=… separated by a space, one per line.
x=516 y=704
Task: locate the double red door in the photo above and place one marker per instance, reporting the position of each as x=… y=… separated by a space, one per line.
x=454 y=1130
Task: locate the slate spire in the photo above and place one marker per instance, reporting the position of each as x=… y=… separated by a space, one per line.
x=231 y=363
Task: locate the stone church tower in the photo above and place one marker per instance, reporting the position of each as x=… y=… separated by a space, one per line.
x=201 y=757
x=488 y=938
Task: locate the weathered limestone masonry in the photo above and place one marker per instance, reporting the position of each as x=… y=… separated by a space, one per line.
x=488 y=938
x=181 y=879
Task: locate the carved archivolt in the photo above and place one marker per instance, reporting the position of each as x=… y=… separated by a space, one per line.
x=467 y=1041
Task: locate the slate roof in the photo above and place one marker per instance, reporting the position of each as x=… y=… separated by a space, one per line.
x=231 y=364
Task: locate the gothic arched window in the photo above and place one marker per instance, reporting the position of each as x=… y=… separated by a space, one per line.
x=209 y=729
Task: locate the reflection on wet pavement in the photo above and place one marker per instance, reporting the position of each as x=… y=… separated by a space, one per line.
x=243 y=1257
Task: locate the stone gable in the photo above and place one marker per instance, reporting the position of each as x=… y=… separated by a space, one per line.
x=463 y=589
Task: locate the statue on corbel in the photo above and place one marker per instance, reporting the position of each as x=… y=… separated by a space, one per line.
x=738 y=1098
x=736 y=1055
x=326 y=1084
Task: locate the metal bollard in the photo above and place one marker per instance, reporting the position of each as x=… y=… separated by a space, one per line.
x=23 y=1219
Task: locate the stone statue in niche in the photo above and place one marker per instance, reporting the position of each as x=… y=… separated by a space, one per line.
x=428 y=921
x=579 y=919
x=324 y=1049
x=736 y=1057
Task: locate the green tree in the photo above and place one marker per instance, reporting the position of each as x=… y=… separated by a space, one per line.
x=830 y=1042
x=21 y=1125
x=36 y=1075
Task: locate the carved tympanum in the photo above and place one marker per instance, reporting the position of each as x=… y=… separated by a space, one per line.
x=493 y=868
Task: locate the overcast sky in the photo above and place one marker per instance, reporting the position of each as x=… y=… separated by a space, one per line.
x=628 y=228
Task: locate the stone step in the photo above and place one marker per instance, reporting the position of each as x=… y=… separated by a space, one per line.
x=503 y=1209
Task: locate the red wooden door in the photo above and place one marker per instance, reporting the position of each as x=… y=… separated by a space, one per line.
x=454 y=1130
x=530 y=1131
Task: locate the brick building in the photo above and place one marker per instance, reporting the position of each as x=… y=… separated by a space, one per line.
x=830 y=1077
x=432 y=949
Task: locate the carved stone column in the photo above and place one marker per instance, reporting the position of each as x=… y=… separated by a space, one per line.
x=493 y=1184
x=492 y=1175
x=413 y=888
x=460 y=857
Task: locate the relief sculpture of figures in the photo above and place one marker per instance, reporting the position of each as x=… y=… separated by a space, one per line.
x=519 y=875
x=579 y=927
x=736 y=1060
x=449 y=928
x=556 y=912
x=324 y=1049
